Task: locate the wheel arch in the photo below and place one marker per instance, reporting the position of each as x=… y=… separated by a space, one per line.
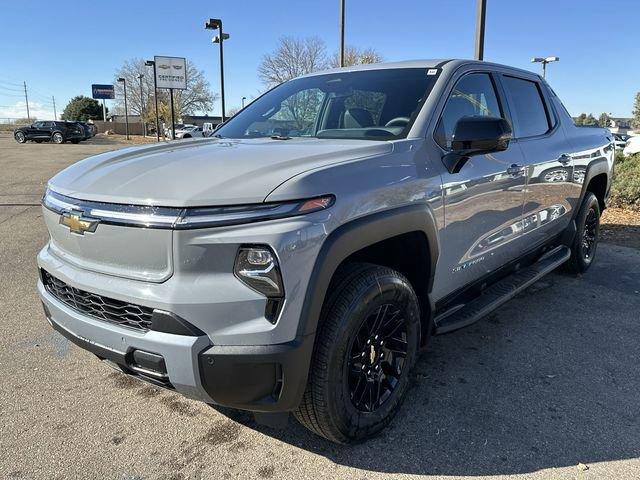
x=394 y=238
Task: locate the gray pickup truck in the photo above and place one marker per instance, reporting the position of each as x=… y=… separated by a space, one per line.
x=300 y=259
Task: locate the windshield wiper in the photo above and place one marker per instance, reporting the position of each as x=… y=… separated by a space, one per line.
x=280 y=137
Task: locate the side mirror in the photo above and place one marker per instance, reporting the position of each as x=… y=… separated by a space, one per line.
x=476 y=136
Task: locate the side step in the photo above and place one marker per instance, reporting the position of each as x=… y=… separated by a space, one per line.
x=463 y=315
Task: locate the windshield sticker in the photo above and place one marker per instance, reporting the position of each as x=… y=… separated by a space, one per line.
x=432 y=71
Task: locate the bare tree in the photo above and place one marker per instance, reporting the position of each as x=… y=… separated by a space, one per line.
x=293 y=57
x=356 y=56
x=198 y=96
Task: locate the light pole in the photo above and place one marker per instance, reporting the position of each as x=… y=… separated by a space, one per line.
x=342 y=33
x=126 y=113
x=151 y=63
x=544 y=61
x=216 y=24
x=481 y=14
x=243 y=100
x=144 y=125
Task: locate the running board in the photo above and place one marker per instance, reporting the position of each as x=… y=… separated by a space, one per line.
x=461 y=316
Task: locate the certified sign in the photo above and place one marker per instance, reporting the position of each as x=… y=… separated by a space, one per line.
x=171 y=72
x=102 y=92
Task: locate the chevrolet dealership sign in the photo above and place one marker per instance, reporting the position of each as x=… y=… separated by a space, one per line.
x=171 y=72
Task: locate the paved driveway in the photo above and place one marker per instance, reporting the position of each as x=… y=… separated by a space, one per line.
x=550 y=381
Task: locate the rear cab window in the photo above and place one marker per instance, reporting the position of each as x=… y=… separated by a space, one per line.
x=528 y=109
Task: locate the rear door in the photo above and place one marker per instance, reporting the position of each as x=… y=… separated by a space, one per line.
x=483 y=202
x=549 y=166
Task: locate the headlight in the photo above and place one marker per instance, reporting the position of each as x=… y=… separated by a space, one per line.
x=257 y=267
x=219 y=216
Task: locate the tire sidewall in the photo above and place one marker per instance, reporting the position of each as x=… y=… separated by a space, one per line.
x=351 y=422
x=590 y=203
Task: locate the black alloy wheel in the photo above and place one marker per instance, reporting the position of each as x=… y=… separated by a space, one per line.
x=377 y=358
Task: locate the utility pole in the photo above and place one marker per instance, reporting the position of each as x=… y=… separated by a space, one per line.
x=152 y=63
x=144 y=124
x=26 y=99
x=342 y=33
x=481 y=13
x=55 y=115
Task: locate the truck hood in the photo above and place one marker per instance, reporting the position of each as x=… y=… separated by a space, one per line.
x=203 y=172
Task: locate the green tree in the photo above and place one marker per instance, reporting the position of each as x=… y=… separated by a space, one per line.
x=82 y=108
x=635 y=121
x=580 y=119
x=604 y=120
x=590 y=120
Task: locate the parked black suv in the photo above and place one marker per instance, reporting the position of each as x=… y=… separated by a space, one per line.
x=48 y=131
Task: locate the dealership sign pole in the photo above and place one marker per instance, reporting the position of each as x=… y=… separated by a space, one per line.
x=171 y=73
x=102 y=92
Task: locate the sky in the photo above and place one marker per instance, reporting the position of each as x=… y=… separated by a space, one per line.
x=61 y=51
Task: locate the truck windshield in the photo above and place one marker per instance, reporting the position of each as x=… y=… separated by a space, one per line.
x=369 y=104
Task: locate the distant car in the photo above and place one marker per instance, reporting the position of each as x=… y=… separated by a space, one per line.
x=189 y=132
x=620 y=140
x=632 y=146
x=178 y=126
x=50 y=131
x=89 y=130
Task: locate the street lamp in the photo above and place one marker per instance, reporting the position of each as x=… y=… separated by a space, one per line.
x=144 y=125
x=151 y=63
x=126 y=113
x=243 y=100
x=544 y=61
x=216 y=24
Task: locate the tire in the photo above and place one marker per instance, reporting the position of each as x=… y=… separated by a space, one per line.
x=585 y=243
x=20 y=137
x=351 y=393
x=57 y=138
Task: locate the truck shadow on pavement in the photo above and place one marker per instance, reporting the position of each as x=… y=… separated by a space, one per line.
x=550 y=380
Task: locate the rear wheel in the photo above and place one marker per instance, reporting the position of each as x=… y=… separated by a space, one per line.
x=20 y=137
x=366 y=346
x=584 y=245
x=57 y=138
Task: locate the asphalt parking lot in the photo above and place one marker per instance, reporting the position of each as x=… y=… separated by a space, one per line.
x=545 y=388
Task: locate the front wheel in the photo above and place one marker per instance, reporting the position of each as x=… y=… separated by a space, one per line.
x=20 y=137
x=366 y=346
x=584 y=245
x=57 y=138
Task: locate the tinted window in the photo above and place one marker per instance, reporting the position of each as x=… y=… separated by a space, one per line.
x=527 y=107
x=473 y=95
x=370 y=104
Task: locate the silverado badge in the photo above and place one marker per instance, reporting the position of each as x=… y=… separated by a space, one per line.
x=78 y=223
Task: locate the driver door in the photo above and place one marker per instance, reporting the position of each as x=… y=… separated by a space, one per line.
x=483 y=202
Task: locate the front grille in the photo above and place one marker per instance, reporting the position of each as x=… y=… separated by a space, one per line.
x=103 y=308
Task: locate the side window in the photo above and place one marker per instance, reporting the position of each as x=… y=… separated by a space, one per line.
x=38 y=124
x=473 y=95
x=527 y=107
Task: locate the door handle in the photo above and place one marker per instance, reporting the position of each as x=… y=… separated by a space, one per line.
x=515 y=170
x=564 y=159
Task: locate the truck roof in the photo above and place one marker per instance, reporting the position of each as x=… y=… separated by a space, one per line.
x=425 y=63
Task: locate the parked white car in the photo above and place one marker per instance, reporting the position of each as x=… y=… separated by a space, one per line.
x=632 y=146
x=189 y=132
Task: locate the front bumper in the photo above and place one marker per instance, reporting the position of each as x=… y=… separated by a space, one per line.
x=268 y=378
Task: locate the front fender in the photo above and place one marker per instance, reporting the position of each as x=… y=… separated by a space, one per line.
x=356 y=235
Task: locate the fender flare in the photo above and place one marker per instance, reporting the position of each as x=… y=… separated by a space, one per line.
x=594 y=168
x=356 y=235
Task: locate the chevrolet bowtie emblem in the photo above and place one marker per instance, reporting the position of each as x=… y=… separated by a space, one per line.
x=78 y=223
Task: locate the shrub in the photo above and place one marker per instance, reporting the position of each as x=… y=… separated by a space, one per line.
x=625 y=191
